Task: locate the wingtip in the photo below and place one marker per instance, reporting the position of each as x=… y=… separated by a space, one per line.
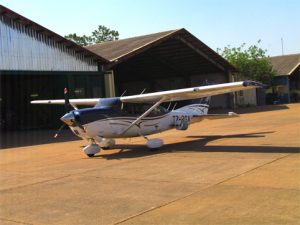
x=252 y=83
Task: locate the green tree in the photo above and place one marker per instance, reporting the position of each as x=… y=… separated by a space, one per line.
x=251 y=62
x=80 y=40
x=102 y=34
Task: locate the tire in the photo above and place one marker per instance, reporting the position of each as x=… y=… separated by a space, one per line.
x=90 y=155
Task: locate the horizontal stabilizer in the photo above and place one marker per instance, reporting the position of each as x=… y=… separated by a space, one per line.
x=217 y=116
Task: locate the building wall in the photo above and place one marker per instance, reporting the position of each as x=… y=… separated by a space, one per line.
x=22 y=48
x=246 y=98
x=295 y=85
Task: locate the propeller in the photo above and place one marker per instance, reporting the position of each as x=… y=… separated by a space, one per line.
x=59 y=130
x=71 y=118
x=67 y=110
x=67 y=101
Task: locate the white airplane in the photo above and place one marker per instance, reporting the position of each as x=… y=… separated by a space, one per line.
x=140 y=115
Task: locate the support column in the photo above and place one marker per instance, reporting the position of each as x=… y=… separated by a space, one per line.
x=109 y=81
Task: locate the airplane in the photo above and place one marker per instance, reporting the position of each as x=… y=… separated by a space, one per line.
x=140 y=115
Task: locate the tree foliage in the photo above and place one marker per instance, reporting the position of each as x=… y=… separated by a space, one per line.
x=102 y=34
x=251 y=62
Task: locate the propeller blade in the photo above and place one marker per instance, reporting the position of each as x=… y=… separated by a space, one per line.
x=68 y=105
x=59 y=130
x=67 y=102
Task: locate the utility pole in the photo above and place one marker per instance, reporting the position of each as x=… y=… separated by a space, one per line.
x=282 y=46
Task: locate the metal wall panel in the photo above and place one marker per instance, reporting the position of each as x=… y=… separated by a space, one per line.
x=22 y=48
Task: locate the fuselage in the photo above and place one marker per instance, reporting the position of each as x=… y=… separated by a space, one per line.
x=110 y=122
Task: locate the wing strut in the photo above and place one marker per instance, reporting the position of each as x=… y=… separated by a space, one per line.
x=143 y=115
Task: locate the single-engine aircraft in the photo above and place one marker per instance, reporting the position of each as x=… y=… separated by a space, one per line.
x=140 y=115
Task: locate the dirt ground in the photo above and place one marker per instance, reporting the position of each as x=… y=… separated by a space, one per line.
x=243 y=170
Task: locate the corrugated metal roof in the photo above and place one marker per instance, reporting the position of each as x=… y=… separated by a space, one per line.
x=285 y=64
x=50 y=34
x=113 y=50
x=120 y=50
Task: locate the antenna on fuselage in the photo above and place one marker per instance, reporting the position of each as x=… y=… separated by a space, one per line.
x=143 y=91
x=123 y=93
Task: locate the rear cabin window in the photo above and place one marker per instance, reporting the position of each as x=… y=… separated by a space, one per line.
x=139 y=109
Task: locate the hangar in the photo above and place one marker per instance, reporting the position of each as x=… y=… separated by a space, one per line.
x=163 y=61
x=286 y=83
x=36 y=63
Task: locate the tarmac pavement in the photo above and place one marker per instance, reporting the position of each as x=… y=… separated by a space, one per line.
x=243 y=170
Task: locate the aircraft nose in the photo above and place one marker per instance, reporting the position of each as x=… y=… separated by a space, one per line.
x=68 y=119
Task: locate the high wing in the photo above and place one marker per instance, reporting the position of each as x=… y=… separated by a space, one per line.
x=191 y=93
x=86 y=101
x=167 y=96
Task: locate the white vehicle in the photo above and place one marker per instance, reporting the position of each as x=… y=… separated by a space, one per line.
x=140 y=115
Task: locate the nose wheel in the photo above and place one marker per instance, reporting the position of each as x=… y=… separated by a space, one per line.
x=91 y=149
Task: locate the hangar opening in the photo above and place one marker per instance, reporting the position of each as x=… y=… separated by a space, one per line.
x=163 y=61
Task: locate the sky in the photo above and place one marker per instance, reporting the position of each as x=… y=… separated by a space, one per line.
x=217 y=23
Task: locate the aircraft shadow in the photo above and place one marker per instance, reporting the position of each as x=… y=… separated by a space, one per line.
x=198 y=145
x=245 y=110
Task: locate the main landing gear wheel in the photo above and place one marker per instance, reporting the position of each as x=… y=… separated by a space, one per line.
x=154 y=143
x=90 y=155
